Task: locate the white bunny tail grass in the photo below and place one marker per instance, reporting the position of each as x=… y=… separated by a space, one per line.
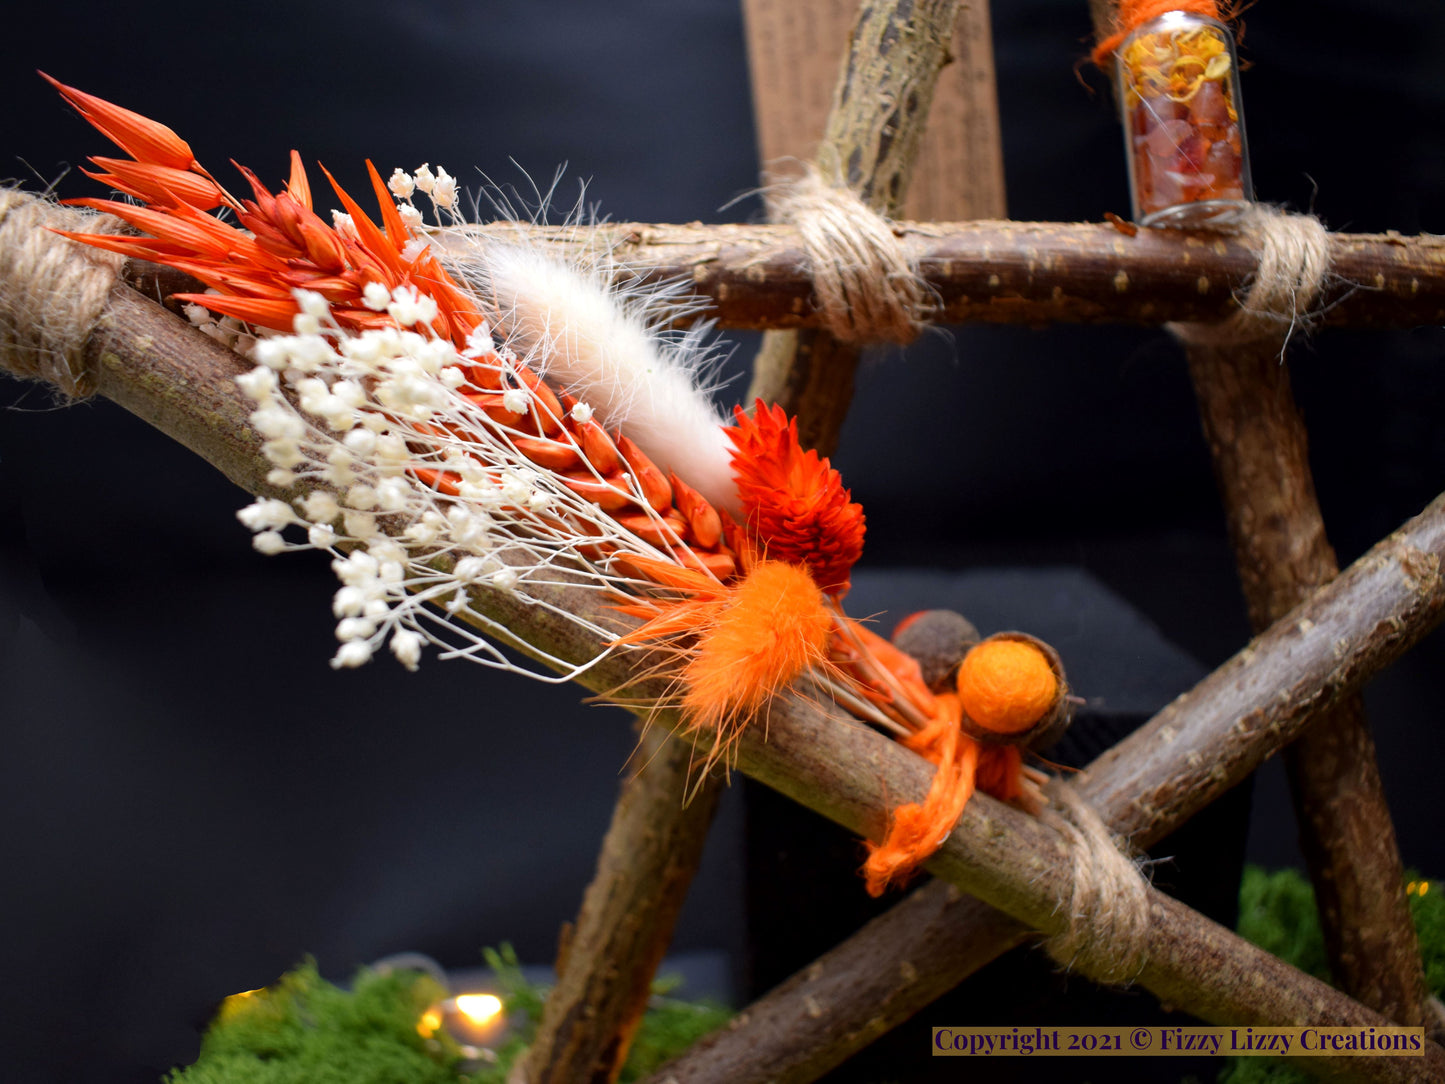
x=607 y=344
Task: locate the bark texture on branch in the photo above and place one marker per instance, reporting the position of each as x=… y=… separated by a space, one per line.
x=655 y=844
x=1180 y=743
x=900 y=962
x=880 y=109
x=607 y=960
x=1198 y=747
x=627 y=918
x=1261 y=459
x=757 y=277
x=1318 y=654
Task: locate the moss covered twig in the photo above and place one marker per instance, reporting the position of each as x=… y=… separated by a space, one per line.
x=1260 y=449
x=655 y=844
x=880 y=109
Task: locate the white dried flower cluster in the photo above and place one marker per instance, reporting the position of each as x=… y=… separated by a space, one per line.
x=440 y=187
x=226 y=330
x=364 y=426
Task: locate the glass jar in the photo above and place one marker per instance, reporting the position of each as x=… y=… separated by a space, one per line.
x=1183 y=125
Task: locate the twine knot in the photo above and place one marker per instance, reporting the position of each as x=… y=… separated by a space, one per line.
x=1294 y=258
x=52 y=290
x=1108 y=910
x=868 y=289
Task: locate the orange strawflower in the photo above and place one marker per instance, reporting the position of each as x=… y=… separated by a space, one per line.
x=740 y=612
x=794 y=504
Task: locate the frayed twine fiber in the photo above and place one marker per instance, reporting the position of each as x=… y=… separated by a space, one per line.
x=52 y=290
x=1130 y=15
x=1294 y=258
x=1108 y=921
x=868 y=290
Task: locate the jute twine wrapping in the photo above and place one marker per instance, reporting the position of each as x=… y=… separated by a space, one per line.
x=1108 y=910
x=1294 y=259
x=868 y=289
x=52 y=290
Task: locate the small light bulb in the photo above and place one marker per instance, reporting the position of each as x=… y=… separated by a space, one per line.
x=479 y=1008
x=430 y=1023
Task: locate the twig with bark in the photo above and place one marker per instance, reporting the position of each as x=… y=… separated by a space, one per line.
x=606 y=963
x=1198 y=747
x=757 y=276
x=1260 y=449
x=870 y=143
x=1192 y=752
x=655 y=843
x=1206 y=741
x=902 y=961
x=1261 y=459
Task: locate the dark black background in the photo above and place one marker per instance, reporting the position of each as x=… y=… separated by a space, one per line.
x=192 y=799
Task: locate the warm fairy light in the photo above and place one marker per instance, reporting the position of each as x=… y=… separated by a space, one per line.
x=469 y=1018
x=430 y=1023
x=237 y=1002
x=479 y=1009
x=1417 y=888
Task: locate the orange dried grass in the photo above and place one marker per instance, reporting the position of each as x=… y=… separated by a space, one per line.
x=739 y=642
x=286 y=245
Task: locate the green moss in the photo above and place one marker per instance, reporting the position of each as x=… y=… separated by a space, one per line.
x=1277 y=913
x=669 y=1028
x=304 y=1030
x=1427 y=908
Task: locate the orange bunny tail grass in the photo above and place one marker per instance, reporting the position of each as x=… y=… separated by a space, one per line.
x=740 y=645
x=917 y=829
x=774 y=627
x=794 y=503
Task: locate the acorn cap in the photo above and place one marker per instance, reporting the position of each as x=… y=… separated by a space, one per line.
x=1037 y=732
x=938 y=640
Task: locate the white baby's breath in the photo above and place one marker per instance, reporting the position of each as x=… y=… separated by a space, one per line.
x=417 y=492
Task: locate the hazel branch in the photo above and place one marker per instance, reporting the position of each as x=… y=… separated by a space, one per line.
x=1198 y=747
x=655 y=843
x=1202 y=744
x=1257 y=438
x=871 y=140
x=900 y=962
x=1260 y=449
x=757 y=277
x=607 y=960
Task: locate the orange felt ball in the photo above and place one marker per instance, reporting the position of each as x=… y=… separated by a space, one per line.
x=1006 y=685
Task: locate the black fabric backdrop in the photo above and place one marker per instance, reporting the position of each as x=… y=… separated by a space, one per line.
x=192 y=800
